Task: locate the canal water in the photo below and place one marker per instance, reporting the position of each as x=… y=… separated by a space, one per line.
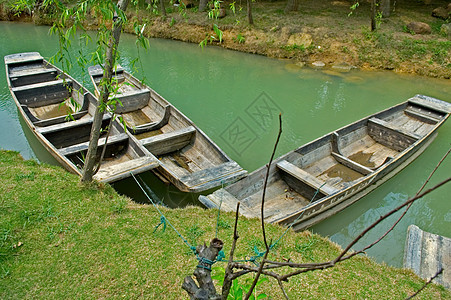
x=235 y=98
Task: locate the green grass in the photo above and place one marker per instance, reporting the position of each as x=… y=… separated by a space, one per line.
x=61 y=240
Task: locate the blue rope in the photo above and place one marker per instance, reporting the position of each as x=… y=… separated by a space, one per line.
x=203 y=262
x=163 y=217
x=162 y=221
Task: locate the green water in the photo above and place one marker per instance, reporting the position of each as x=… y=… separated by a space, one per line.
x=235 y=98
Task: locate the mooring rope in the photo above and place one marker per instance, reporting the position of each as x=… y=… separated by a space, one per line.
x=203 y=262
x=163 y=218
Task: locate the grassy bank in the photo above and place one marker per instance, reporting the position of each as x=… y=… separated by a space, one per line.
x=318 y=31
x=59 y=240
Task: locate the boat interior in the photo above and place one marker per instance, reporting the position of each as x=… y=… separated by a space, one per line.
x=46 y=97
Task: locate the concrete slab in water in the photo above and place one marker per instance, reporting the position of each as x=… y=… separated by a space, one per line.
x=426 y=253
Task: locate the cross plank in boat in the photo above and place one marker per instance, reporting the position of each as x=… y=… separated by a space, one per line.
x=169 y=142
x=68 y=125
x=122 y=170
x=40 y=85
x=84 y=146
x=351 y=164
x=209 y=178
x=387 y=125
x=31 y=72
x=305 y=177
x=431 y=103
x=27 y=57
x=422 y=117
x=132 y=100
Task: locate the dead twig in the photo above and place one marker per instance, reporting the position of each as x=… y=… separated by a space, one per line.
x=228 y=274
x=426 y=284
x=257 y=276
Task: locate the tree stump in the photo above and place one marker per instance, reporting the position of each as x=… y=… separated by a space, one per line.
x=204 y=289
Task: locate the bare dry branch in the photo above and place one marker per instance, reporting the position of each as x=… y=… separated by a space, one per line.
x=228 y=274
x=257 y=276
x=426 y=284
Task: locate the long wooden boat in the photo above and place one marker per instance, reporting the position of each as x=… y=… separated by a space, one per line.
x=326 y=175
x=188 y=158
x=59 y=111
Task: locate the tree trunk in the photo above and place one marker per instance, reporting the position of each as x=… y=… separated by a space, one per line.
x=249 y=12
x=373 y=15
x=203 y=5
x=292 y=5
x=386 y=8
x=110 y=59
x=206 y=289
x=163 y=9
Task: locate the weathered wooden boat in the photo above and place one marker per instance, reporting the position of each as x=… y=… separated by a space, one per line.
x=325 y=176
x=59 y=111
x=188 y=158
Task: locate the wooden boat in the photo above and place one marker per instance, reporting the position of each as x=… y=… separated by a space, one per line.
x=59 y=111
x=325 y=176
x=188 y=158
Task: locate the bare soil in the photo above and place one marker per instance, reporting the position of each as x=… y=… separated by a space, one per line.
x=317 y=31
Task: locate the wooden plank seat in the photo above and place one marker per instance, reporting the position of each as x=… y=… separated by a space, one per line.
x=68 y=125
x=70 y=150
x=97 y=70
x=351 y=164
x=14 y=75
x=132 y=100
x=305 y=177
x=29 y=57
x=222 y=199
x=421 y=116
x=153 y=125
x=30 y=75
x=390 y=135
x=43 y=93
x=122 y=170
x=60 y=119
x=169 y=142
x=210 y=177
x=431 y=104
x=42 y=85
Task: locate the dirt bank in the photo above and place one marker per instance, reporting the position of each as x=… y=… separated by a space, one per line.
x=320 y=31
